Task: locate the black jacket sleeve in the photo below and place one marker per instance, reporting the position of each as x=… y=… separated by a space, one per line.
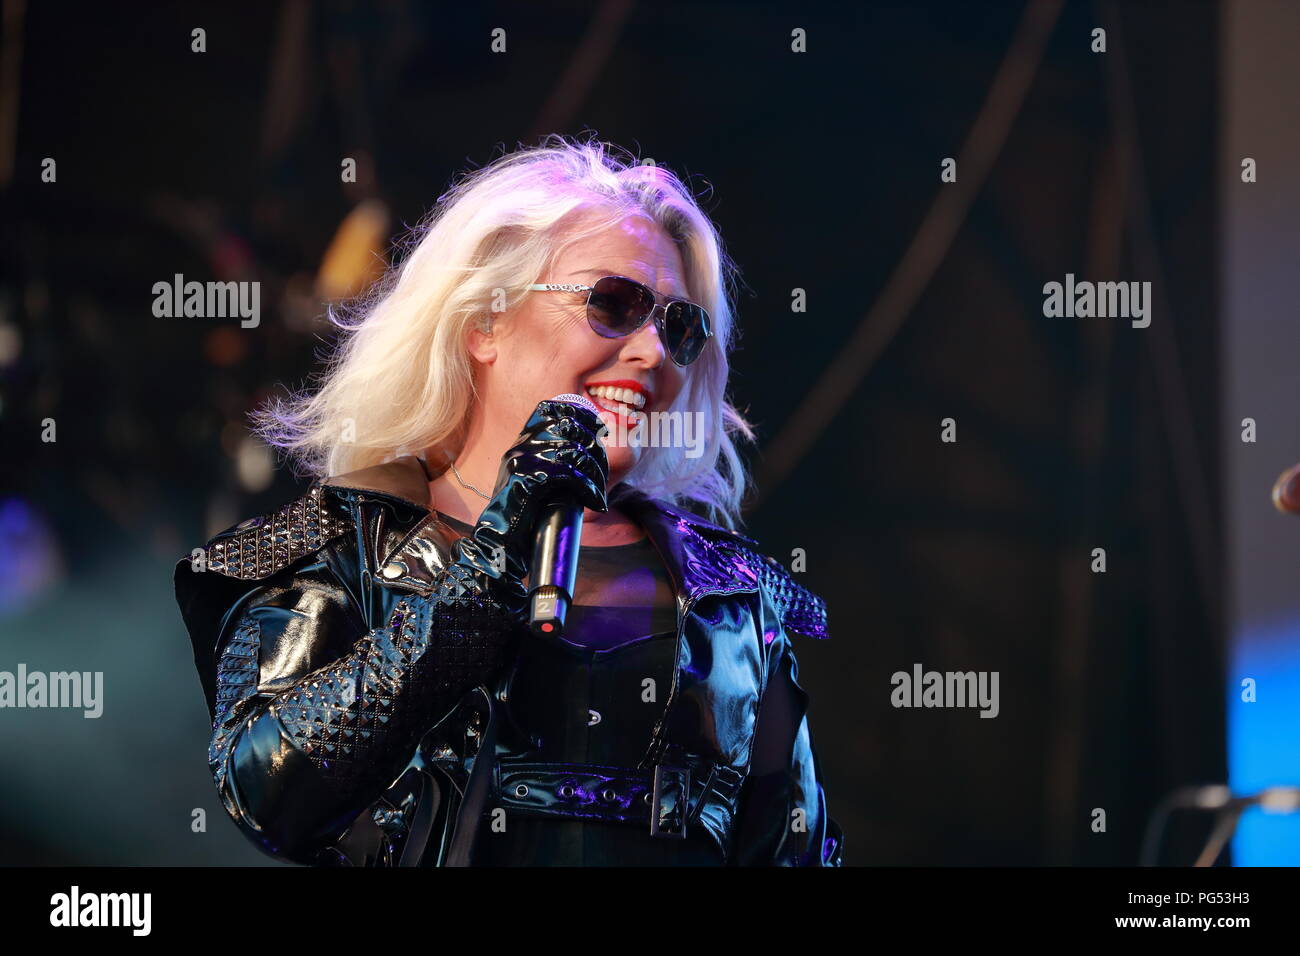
x=314 y=717
x=783 y=819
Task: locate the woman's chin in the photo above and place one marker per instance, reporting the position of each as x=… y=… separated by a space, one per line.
x=621 y=462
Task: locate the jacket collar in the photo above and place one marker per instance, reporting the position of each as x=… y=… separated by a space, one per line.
x=404 y=479
x=700 y=556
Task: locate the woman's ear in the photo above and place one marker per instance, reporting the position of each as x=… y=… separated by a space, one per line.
x=481 y=339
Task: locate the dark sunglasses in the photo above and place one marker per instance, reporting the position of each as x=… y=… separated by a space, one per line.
x=618 y=306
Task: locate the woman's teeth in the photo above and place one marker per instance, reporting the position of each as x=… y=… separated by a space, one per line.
x=621 y=401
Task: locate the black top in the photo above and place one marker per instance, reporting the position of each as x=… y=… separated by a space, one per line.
x=599 y=691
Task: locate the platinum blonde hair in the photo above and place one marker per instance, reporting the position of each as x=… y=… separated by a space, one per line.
x=400 y=379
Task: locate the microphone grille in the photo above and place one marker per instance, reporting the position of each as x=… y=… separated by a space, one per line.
x=573 y=399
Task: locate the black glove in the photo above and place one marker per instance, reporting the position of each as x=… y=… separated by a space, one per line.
x=559 y=453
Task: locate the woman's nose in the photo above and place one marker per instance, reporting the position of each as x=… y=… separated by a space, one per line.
x=646 y=344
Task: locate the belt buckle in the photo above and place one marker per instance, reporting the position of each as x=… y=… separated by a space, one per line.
x=672 y=788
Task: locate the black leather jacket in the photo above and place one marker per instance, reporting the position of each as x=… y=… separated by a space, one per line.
x=272 y=602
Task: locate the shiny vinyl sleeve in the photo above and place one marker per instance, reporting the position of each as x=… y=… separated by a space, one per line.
x=783 y=818
x=311 y=723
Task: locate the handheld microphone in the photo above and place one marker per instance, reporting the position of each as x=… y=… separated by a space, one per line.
x=554 y=568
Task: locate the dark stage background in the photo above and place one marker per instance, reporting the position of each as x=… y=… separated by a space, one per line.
x=822 y=171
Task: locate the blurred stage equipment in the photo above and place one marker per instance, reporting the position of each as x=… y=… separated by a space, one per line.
x=11 y=61
x=583 y=71
x=355 y=257
x=1228 y=810
x=1286 y=491
x=31 y=563
x=924 y=255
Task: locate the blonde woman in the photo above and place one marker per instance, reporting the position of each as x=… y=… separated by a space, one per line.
x=377 y=698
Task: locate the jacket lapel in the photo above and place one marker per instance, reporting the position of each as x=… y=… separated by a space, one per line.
x=701 y=557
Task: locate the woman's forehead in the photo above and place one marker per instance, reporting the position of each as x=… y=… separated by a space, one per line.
x=633 y=232
x=647 y=255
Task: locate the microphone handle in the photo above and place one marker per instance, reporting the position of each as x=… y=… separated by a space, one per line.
x=554 y=568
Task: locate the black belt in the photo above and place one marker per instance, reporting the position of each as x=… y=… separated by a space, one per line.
x=665 y=798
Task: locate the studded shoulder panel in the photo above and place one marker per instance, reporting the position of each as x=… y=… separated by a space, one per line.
x=801 y=611
x=735 y=557
x=259 y=547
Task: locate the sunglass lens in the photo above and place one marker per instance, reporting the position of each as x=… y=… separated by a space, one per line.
x=687 y=329
x=618 y=306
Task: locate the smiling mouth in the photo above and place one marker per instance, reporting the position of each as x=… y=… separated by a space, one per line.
x=624 y=402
